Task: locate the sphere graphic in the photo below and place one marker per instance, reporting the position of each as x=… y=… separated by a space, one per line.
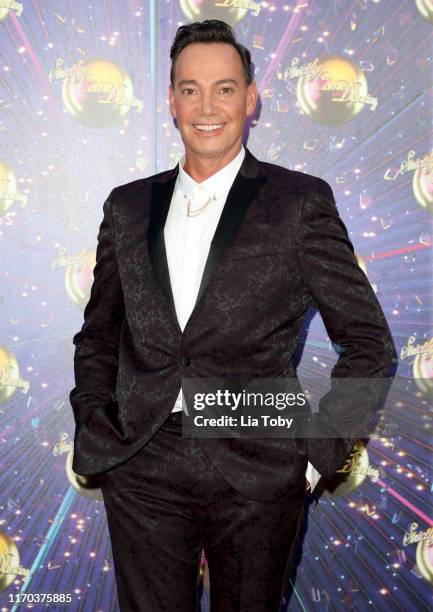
x=334 y=95
x=79 y=279
x=8 y=186
x=98 y=93
x=9 y=374
x=425 y=7
x=424 y=559
x=423 y=373
x=422 y=186
x=198 y=10
x=9 y=559
x=352 y=476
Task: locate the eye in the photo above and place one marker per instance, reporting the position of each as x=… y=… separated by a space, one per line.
x=226 y=89
x=187 y=90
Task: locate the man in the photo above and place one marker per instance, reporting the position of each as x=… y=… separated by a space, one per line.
x=207 y=270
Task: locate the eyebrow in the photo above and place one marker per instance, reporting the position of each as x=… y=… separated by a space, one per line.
x=194 y=82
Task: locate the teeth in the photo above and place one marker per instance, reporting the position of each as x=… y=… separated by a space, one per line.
x=208 y=128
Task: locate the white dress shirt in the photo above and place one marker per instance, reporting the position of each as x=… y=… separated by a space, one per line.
x=187 y=241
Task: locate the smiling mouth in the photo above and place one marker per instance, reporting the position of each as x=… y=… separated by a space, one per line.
x=208 y=128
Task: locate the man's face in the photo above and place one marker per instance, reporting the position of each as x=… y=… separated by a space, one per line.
x=210 y=90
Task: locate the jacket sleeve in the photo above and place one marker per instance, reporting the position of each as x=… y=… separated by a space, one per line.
x=353 y=319
x=97 y=344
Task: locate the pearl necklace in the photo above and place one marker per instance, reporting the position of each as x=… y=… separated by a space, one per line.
x=198 y=211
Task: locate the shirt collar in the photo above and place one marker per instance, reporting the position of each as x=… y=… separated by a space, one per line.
x=215 y=184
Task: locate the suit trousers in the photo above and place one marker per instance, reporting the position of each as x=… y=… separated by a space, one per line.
x=167 y=503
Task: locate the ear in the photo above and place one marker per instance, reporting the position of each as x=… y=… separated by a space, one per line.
x=171 y=101
x=252 y=95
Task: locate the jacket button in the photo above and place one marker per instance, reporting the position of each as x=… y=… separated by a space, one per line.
x=184 y=361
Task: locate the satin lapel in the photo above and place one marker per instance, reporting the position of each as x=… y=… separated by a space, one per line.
x=238 y=199
x=242 y=192
x=160 y=203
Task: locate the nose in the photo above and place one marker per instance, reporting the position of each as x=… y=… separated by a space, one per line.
x=207 y=104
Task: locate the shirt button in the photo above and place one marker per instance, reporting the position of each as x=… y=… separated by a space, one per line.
x=184 y=361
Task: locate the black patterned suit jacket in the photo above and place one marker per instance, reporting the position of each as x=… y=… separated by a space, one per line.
x=280 y=246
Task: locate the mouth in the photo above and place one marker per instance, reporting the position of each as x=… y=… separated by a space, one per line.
x=209 y=129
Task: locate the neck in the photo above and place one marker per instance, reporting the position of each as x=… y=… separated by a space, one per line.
x=200 y=168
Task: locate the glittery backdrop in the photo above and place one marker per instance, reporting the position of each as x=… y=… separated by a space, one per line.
x=345 y=92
